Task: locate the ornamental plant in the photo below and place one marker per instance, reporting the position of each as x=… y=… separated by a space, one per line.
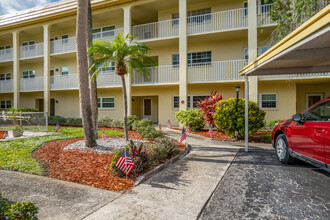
x=193 y=117
x=229 y=117
x=208 y=106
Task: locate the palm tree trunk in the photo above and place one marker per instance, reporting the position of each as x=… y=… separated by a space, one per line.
x=93 y=85
x=125 y=106
x=82 y=67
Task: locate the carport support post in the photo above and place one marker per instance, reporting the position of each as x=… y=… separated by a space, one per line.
x=246 y=113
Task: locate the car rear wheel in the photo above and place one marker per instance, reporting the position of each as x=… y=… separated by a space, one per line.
x=282 y=149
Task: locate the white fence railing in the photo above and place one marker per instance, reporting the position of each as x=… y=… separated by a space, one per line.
x=32 y=84
x=6 y=55
x=69 y=81
x=218 y=21
x=63 y=46
x=157 y=75
x=216 y=71
x=6 y=85
x=35 y=50
x=107 y=35
x=156 y=30
x=263 y=15
x=108 y=80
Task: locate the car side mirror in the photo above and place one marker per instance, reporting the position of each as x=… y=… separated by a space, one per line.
x=297 y=118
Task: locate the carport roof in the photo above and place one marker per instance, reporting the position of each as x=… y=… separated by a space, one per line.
x=305 y=50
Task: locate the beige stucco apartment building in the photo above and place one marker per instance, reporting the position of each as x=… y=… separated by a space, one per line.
x=200 y=46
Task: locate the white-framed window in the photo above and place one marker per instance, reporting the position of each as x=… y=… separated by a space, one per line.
x=106 y=102
x=64 y=71
x=103 y=32
x=260 y=51
x=195 y=59
x=28 y=45
x=5 y=104
x=176 y=102
x=191 y=101
x=268 y=100
x=29 y=74
x=175 y=60
x=110 y=67
x=5 y=76
x=65 y=38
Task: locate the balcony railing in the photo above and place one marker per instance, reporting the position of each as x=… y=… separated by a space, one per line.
x=157 y=75
x=6 y=85
x=216 y=71
x=69 y=81
x=32 y=84
x=109 y=79
x=63 y=46
x=218 y=21
x=263 y=15
x=107 y=35
x=29 y=51
x=156 y=30
x=6 y=55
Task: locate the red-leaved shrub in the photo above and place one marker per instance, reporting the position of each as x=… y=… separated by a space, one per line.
x=208 y=106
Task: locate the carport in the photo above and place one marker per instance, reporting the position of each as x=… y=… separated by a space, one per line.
x=304 y=51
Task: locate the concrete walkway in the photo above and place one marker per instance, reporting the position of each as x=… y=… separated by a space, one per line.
x=179 y=192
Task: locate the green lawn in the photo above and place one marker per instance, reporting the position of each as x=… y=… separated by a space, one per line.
x=17 y=154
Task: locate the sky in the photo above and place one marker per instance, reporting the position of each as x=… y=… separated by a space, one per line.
x=11 y=6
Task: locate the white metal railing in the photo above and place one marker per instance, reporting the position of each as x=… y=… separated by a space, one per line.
x=6 y=55
x=6 y=85
x=69 y=81
x=108 y=79
x=63 y=45
x=263 y=15
x=215 y=71
x=107 y=35
x=218 y=21
x=156 y=30
x=157 y=75
x=32 y=84
x=35 y=50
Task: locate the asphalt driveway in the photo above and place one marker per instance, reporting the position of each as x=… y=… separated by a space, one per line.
x=257 y=186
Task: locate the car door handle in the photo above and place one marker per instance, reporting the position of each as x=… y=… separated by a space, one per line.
x=319 y=130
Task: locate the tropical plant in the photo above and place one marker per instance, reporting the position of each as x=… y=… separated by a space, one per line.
x=208 y=106
x=82 y=67
x=193 y=117
x=127 y=54
x=13 y=114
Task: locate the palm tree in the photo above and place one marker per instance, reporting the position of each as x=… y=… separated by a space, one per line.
x=82 y=66
x=127 y=54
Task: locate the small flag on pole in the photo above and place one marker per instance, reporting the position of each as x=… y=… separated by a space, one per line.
x=39 y=127
x=183 y=135
x=104 y=136
x=57 y=127
x=5 y=135
x=169 y=125
x=125 y=163
x=211 y=132
x=160 y=126
x=187 y=128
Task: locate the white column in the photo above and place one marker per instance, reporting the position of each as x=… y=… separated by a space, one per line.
x=253 y=46
x=246 y=113
x=16 y=75
x=46 y=68
x=127 y=30
x=183 y=45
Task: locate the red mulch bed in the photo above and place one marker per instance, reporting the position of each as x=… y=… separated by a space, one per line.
x=205 y=133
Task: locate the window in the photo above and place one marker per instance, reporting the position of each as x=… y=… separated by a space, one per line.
x=320 y=112
x=65 y=38
x=260 y=51
x=246 y=54
x=195 y=59
x=175 y=59
x=109 y=68
x=106 y=102
x=268 y=101
x=245 y=6
x=28 y=74
x=64 y=71
x=28 y=45
x=196 y=99
x=191 y=101
x=4 y=49
x=104 y=32
x=175 y=20
x=176 y=101
x=5 y=104
x=5 y=76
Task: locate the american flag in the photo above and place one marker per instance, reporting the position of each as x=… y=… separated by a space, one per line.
x=211 y=132
x=39 y=127
x=160 y=126
x=5 y=135
x=57 y=127
x=125 y=163
x=104 y=136
x=183 y=135
x=187 y=128
x=169 y=125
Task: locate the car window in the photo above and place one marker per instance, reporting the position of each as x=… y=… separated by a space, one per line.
x=321 y=112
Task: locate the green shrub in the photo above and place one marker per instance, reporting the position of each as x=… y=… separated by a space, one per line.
x=117 y=123
x=74 y=121
x=52 y=120
x=28 y=110
x=24 y=210
x=227 y=117
x=194 y=117
x=164 y=148
x=141 y=124
x=105 y=122
x=146 y=129
x=130 y=121
x=271 y=124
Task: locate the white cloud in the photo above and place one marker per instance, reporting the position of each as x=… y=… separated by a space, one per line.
x=11 y=6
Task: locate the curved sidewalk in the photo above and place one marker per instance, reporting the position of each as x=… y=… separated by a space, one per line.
x=179 y=192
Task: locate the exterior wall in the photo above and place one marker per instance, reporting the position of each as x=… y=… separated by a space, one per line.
x=57 y=62
x=28 y=99
x=5 y=97
x=37 y=66
x=67 y=103
x=118 y=111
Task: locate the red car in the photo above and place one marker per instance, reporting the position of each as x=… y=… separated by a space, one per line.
x=306 y=136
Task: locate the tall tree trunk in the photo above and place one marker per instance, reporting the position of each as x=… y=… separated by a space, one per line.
x=82 y=66
x=125 y=106
x=93 y=85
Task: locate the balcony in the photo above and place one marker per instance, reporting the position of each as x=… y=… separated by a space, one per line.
x=59 y=82
x=6 y=55
x=216 y=71
x=158 y=75
x=63 y=46
x=263 y=16
x=108 y=79
x=6 y=85
x=31 y=51
x=32 y=84
x=107 y=35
